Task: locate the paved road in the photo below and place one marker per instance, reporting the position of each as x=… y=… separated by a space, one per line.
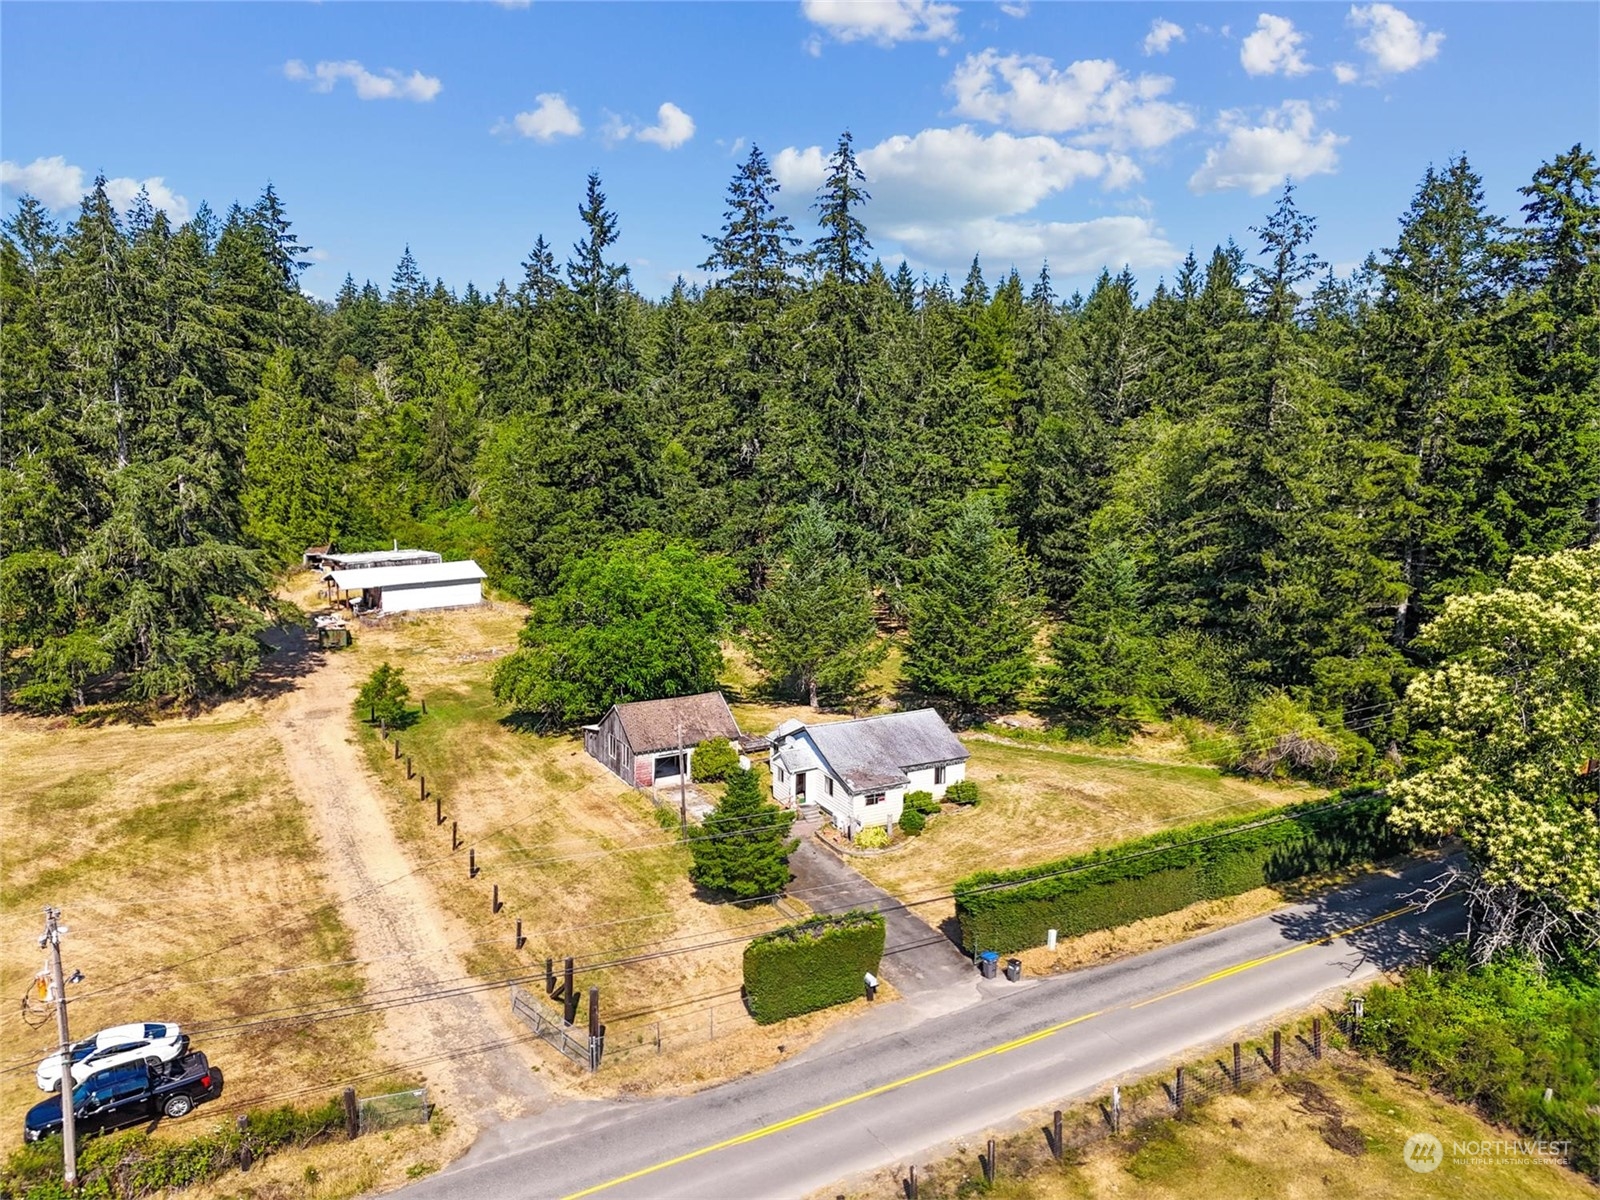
x=822 y=1117
x=917 y=958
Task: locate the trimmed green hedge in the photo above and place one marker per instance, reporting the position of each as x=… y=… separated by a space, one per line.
x=1149 y=876
x=814 y=964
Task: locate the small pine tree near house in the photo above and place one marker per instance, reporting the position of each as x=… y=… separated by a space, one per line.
x=743 y=846
x=383 y=696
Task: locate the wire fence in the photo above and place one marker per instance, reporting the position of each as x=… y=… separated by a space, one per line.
x=393 y=1110
x=1238 y=1067
x=671 y=1032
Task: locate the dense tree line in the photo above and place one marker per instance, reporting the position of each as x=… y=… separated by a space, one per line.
x=1254 y=483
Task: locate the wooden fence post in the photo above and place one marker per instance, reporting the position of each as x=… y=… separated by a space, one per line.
x=1316 y=1037
x=1055 y=1138
x=455 y=836
x=408 y=766
x=521 y=941
x=422 y=787
x=424 y=707
x=472 y=867
x=1116 y=1109
x=1178 y=1090
x=1238 y=1067
x=352 y=1114
x=569 y=997
x=549 y=977
x=438 y=810
x=989 y=1171
x=911 y=1184
x=1277 y=1051
x=494 y=904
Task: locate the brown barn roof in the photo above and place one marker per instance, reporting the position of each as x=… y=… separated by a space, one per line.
x=653 y=725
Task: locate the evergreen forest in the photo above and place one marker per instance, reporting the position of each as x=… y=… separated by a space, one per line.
x=1236 y=493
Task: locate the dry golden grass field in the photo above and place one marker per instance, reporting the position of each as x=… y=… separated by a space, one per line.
x=193 y=890
x=1334 y=1134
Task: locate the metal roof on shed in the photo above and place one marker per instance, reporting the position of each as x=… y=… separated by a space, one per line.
x=417 y=573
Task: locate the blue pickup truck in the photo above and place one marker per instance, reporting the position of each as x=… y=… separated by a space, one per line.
x=129 y=1095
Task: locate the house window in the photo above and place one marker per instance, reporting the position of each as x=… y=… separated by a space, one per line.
x=830 y=784
x=874 y=797
x=938 y=775
x=778 y=775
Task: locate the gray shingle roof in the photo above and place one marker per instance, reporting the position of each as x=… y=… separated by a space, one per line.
x=652 y=725
x=876 y=752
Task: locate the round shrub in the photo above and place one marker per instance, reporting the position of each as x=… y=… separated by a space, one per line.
x=714 y=760
x=912 y=822
x=923 y=802
x=963 y=792
x=873 y=837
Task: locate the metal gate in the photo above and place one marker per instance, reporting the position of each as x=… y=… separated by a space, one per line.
x=581 y=1048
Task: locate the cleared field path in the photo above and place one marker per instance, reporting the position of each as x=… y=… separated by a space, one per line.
x=398 y=928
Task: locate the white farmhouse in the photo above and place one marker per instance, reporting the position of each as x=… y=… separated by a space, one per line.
x=414 y=587
x=859 y=772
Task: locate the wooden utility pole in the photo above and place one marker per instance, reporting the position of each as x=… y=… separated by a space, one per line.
x=683 y=775
x=51 y=941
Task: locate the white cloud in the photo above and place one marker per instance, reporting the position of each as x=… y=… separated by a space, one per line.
x=59 y=185
x=1071 y=247
x=551 y=118
x=54 y=182
x=1017 y=10
x=953 y=174
x=1092 y=98
x=1161 y=36
x=1285 y=145
x=1274 y=47
x=1394 y=42
x=883 y=21
x=391 y=85
x=942 y=194
x=672 y=129
x=122 y=192
x=1345 y=72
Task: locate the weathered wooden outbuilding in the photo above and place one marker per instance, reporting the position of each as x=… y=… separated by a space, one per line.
x=649 y=741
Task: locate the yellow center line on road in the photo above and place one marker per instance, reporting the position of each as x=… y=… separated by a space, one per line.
x=1325 y=940
x=791 y=1122
x=990 y=1052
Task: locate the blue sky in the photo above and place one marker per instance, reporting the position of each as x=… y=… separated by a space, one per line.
x=1088 y=134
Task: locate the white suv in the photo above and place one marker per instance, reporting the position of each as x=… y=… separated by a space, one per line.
x=151 y=1040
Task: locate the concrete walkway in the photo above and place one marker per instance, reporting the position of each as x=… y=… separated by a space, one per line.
x=917 y=958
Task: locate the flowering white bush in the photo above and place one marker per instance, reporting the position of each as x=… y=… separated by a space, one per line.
x=1510 y=721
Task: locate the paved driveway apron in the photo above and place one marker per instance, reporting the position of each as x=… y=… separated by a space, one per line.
x=917 y=958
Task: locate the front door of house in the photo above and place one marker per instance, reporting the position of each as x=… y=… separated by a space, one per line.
x=800 y=785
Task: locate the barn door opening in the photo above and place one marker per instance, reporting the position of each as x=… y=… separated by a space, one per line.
x=669 y=766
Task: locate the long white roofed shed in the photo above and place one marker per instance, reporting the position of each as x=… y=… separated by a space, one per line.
x=415 y=587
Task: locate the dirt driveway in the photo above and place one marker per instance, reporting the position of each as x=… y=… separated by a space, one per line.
x=398 y=929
